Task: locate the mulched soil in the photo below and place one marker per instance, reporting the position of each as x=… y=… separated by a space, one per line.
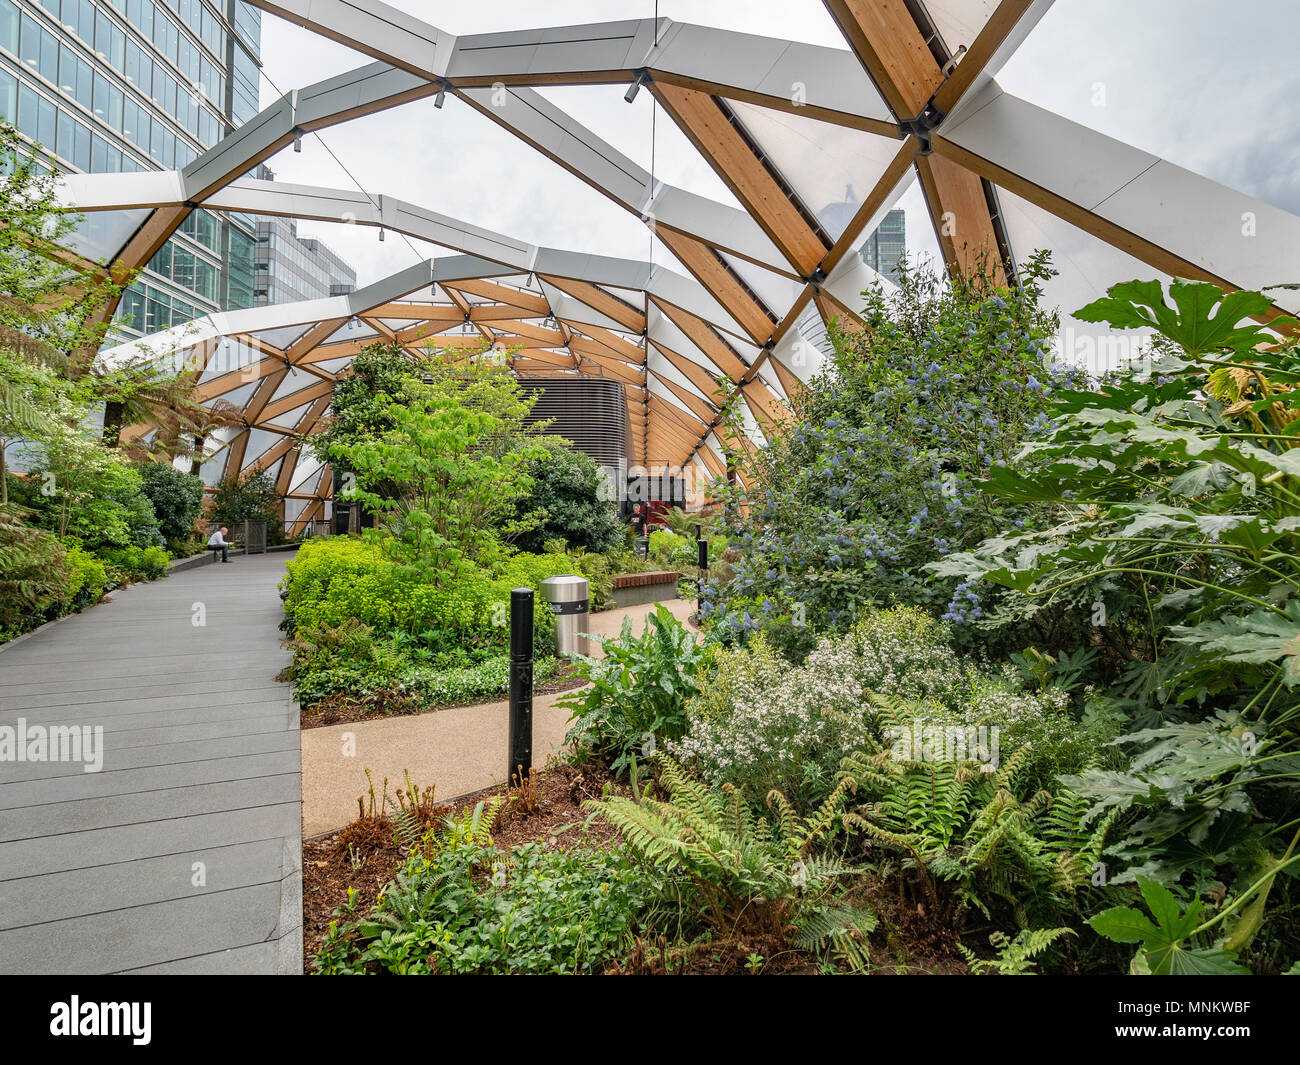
x=344 y=709
x=364 y=855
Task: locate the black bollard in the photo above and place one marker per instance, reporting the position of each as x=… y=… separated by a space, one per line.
x=702 y=558
x=521 y=686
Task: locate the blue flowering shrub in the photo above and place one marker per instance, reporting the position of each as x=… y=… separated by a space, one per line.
x=881 y=472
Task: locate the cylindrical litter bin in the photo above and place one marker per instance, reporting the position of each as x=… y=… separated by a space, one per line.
x=567 y=599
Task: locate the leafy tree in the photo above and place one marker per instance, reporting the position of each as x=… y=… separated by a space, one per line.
x=566 y=499
x=379 y=373
x=51 y=306
x=252 y=497
x=82 y=489
x=177 y=497
x=455 y=461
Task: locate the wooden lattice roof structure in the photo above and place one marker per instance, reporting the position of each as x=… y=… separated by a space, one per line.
x=913 y=95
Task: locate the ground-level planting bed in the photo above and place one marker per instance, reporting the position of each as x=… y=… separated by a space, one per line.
x=347 y=870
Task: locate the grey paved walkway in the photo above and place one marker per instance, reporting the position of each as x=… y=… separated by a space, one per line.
x=183 y=854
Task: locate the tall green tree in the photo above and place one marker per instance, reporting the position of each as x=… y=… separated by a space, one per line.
x=445 y=476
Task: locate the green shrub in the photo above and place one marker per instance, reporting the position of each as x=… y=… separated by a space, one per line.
x=1175 y=501
x=473 y=908
x=177 y=498
x=34 y=573
x=880 y=473
x=747 y=875
x=638 y=691
x=567 y=497
x=337 y=578
x=87 y=578
x=348 y=660
x=976 y=839
x=137 y=563
x=788 y=728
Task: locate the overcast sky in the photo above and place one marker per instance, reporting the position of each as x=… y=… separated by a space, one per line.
x=1206 y=85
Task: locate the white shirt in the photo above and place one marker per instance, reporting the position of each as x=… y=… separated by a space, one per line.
x=217 y=540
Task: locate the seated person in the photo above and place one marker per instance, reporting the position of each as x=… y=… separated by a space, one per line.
x=217 y=542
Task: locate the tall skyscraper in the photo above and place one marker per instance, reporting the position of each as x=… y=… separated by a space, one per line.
x=290 y=267
x=886 y=245
x=130 y=85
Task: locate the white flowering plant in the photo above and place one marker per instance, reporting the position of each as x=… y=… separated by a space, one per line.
x=789 y=729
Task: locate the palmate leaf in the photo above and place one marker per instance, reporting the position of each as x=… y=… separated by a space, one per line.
x=1173 y=959
x=1260 y=637
x=1167 y=950
x=1200 y=478
x=1204 y=318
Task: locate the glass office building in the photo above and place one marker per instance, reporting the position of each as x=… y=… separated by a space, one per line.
x=105 y=86
x=886 y=245
x=291 y=268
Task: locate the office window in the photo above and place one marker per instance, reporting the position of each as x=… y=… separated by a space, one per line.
x=85 y=85
x=205 y=279
x=169 y=94
x=27 y=111
x=131 y=309
x=131 y=121
x=101 y=96
x=248 y=23
x=47 y=117
x=161 y=263
x=187 y=55
x=9 y=26
x=66 y=135
x=157 y=314
x=8 y=97
x=49 y=57
x=81 y=148
x=103 y=35
x=164 y=35
x=114 y=106
x=131 y=67
x=30 y=47
x=183 y=267
x=85 y=18
x=213 y=36
x=98 y=155
x=205 y=229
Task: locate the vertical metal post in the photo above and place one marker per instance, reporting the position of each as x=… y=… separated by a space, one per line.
x=521 y=685
x=702 y=559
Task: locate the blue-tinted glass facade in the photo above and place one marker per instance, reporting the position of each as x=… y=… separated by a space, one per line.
x=105 y=86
